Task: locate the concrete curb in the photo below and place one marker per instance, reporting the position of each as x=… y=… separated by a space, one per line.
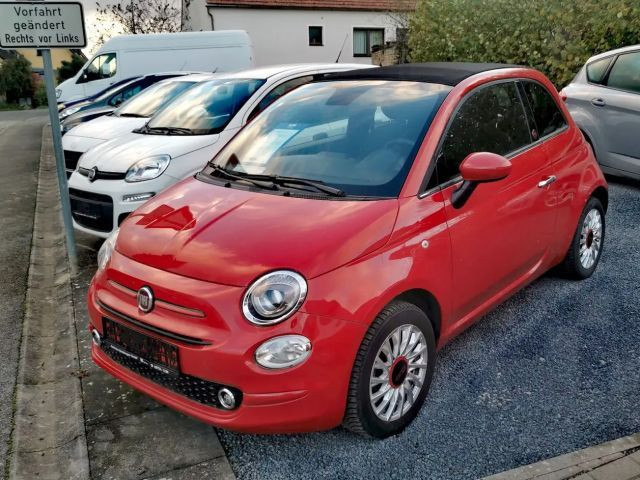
x=49 y=440
x=575 y=464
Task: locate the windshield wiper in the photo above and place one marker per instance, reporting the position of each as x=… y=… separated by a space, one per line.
x=317 y=184
x=132 y=115
x=164 y=130
x=280 y=180
x=223 y=172
x=283 y=181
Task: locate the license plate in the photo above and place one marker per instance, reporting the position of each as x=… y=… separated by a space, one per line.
x=141 y=348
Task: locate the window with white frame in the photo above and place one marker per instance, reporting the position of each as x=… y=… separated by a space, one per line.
x=315 y=36
x=365 y=39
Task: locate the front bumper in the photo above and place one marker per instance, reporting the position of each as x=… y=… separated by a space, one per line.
x=308 y=397
x=98 y=207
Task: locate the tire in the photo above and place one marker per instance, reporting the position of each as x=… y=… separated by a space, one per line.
x=575 y=265
x=413 y=327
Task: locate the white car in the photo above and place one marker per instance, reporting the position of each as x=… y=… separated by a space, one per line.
x=114 y=178
x=129 y=116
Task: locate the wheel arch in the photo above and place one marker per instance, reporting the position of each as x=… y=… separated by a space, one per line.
x=602 y=194
x=428 y=303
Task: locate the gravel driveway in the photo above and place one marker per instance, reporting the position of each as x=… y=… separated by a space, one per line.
x=554 y=369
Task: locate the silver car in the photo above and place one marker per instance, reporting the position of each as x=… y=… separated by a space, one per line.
x=604 y=100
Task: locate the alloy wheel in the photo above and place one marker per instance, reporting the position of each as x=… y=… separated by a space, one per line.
x=590 y=238
x=398 y=372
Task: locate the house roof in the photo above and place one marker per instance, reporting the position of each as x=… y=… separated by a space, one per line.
x=443 y=73
x=375 y=5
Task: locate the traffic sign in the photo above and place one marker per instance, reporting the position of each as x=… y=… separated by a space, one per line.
x=42 y=25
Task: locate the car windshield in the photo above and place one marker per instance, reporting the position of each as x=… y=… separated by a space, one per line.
x=149 y=101
x=205 y=109
x=356 y=136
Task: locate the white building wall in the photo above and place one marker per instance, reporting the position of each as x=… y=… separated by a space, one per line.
x=282 y=36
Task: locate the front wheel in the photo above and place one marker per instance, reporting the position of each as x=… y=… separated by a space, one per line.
x=392 y=372
x=586 y=247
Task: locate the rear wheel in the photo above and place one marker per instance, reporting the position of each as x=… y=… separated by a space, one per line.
x=392 y=372
x=586 y=247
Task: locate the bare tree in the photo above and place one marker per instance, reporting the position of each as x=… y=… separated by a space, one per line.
x=400 y=20
x=138 y=16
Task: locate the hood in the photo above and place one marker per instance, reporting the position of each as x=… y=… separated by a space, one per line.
x=230 y=236
x=107 y=127
x=118 y=154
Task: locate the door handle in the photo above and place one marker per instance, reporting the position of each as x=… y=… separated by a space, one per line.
x=598 y=102
x=547 y=181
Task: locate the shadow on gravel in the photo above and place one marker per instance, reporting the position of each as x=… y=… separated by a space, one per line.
x=554 y=369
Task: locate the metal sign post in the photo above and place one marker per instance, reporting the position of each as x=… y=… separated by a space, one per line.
x=60 y=166
x=46 y=25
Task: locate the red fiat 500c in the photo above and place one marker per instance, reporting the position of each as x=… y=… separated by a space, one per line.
x=306 y=277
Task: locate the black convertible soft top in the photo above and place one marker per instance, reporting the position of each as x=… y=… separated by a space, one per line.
x=443 y=73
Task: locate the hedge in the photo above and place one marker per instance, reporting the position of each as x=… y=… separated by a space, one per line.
x=554 y=36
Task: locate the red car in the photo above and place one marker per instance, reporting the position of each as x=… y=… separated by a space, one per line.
x=307 y=276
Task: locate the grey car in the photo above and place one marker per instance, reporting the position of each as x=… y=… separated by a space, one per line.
x=604 y=100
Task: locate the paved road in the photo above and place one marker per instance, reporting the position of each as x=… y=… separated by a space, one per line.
x=20 y=134
x=554 y=369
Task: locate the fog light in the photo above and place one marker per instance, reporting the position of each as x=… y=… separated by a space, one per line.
x=96 y=337
x=226 y=398
x=283 y=352
x=137 y=197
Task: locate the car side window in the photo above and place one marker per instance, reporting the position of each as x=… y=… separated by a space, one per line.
x=597 y=70
x=625 y=73
x=277 y=92
x=103 y=66
x=546 y=112
x=491 y=120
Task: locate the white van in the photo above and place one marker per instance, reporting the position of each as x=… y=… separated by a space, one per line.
x=126 y=56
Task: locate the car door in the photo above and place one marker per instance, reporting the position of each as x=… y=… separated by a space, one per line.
x=502 y=235
x=617 y=105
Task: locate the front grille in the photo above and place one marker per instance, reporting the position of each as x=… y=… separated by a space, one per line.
x=196 y=389
x=99 y=175
x=71 y=161
x=92 y=210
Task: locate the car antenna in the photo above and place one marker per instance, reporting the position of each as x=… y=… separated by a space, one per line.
x=342 y=48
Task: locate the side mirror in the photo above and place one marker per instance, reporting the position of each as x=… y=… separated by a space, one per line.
x=479 y=167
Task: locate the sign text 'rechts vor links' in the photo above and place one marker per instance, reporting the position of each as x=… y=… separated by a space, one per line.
x=51 y=20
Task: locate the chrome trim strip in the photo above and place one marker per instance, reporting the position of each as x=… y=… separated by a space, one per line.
x=190 y=312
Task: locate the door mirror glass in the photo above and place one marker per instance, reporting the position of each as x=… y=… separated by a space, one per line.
x=483 y=167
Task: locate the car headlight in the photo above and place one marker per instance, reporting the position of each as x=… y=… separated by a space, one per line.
x=66 y=126
x=147 y=168
x=106 y=250
x=69 y=111
x=274 y=297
